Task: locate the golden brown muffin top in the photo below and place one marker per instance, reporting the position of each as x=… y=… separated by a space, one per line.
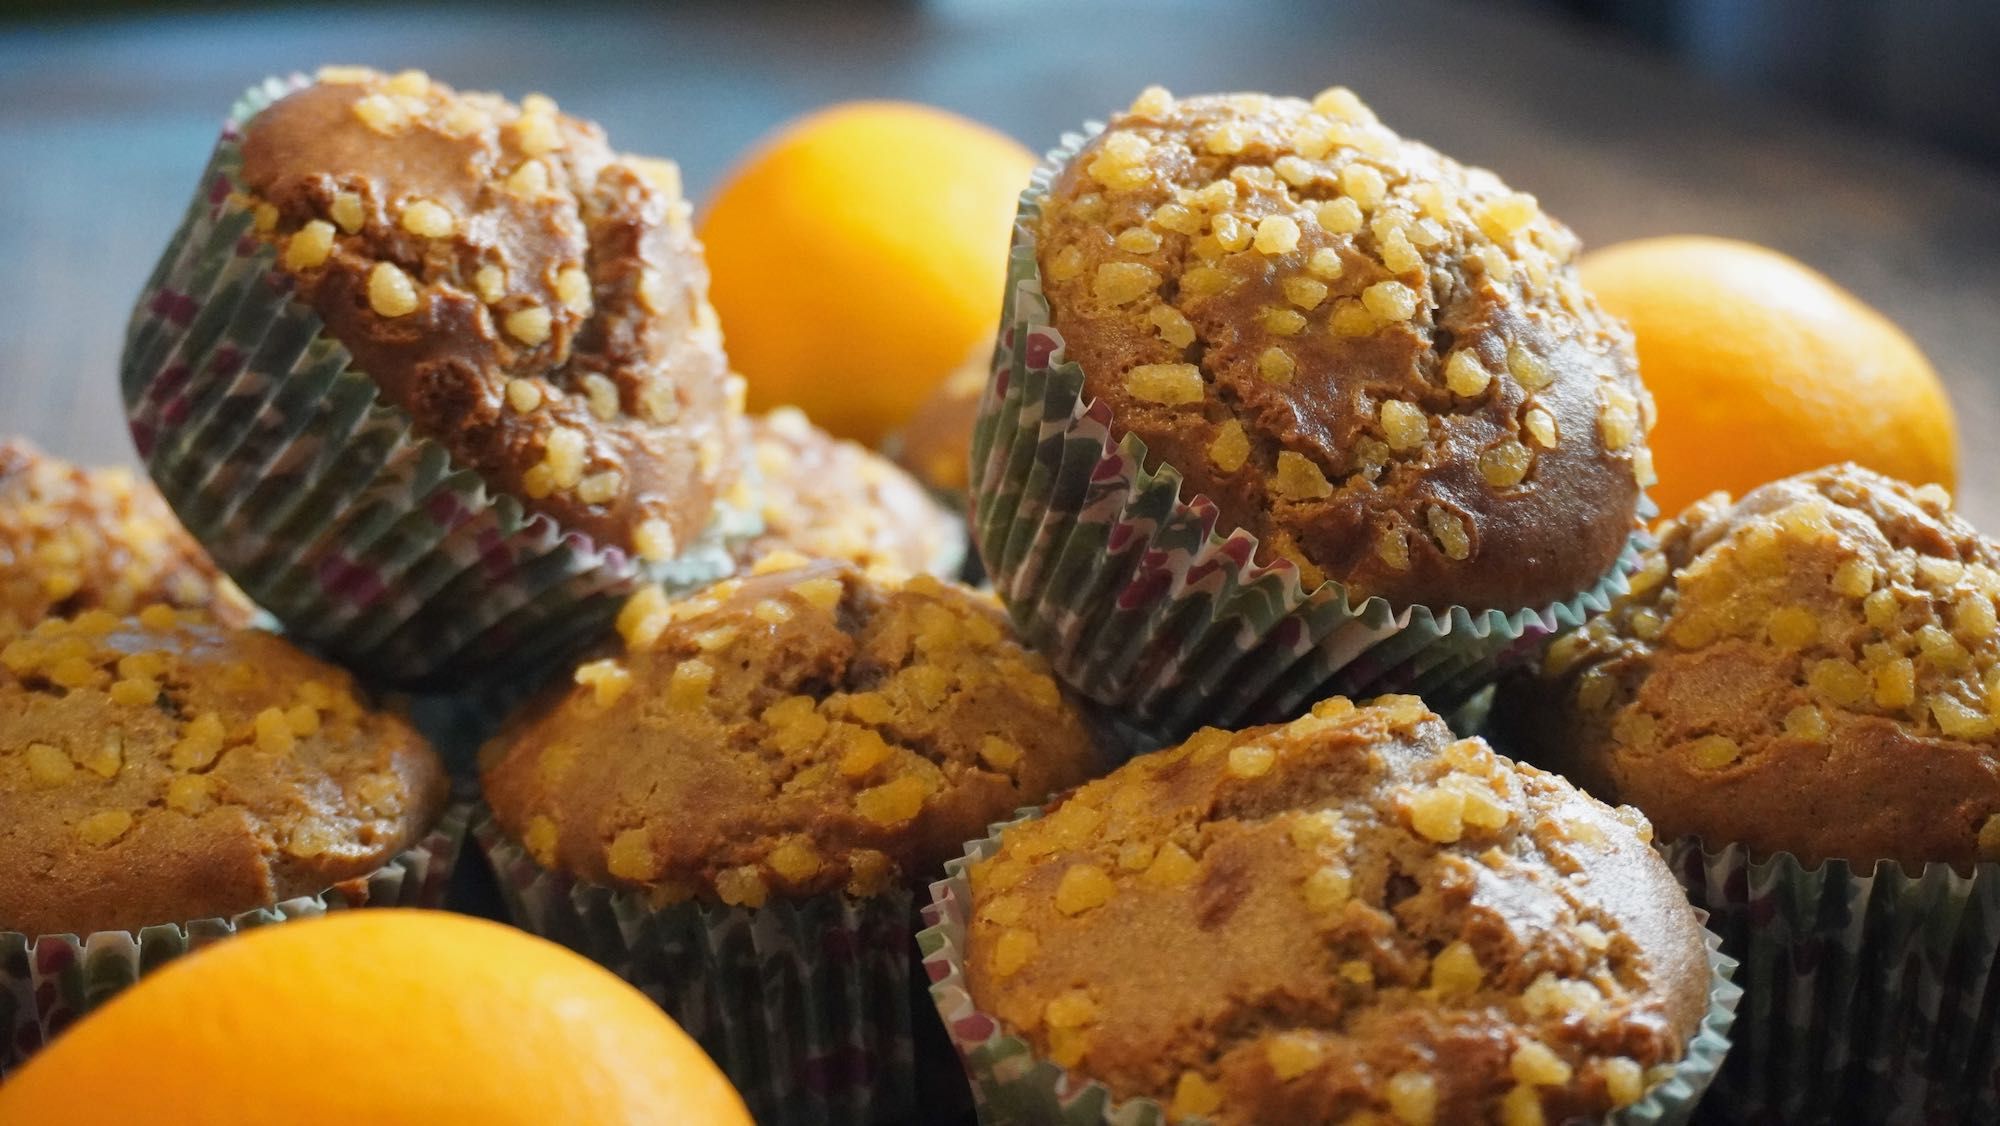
x=832 y=499
x=161 y=769
x=797 y=732
x=1347 y=914
x=535 y=301
x=1814 y=669
x=74 y=539
x=1374 y=359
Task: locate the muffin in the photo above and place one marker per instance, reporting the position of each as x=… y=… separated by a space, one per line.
x=1362 y=374
x=168 y=779
x=1352 y=917
x=935 y=445
x=747 y=797
x=1814 y=669
x=74 y=539
x=1801 y=693
x=831 y=499
x=499 y=395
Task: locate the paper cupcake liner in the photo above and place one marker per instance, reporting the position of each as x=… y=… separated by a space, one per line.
x=321 y=501
x=1144 y=601
x=1870 y=994
x=805 y=1004
x=1014 y=1087
x=48 y=981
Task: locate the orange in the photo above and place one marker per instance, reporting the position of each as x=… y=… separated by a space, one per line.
x=388 y=1017
x=858 y=254
x=1763 y=368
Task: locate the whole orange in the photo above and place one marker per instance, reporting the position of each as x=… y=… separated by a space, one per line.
x=1763 y=368
x=392 y=1018
x=858 y=254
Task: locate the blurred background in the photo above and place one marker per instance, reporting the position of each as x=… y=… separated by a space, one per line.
x=1928 y=69
x=1860 y=136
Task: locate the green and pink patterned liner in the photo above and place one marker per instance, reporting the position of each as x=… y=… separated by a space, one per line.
x=1012 y=1086
x=49 y=981
x=363 y=538
x=1145 y=602
x=805 y=1004
x=1871 y=993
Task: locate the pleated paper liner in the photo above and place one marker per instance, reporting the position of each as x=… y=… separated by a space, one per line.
x=1145 y=602
x=1870 y=993
x=321 y=501
x=1014 y=1087
x=48 y=981
x=804 y=1004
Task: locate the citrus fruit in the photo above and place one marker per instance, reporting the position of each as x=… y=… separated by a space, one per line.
x=858 y=254
x=387 y=1017
x=1763 y=368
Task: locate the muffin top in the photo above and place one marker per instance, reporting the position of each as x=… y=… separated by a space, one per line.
x=535 y=301
x=796 y=732
x=75 y=539
x=160 y=769
x=1363 y=915
x=1374 y=359
x=1813 y=669
x=832 y=499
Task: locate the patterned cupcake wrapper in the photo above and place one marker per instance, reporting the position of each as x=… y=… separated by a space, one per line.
x=804 y=1004
x=321 y=501
x=1014 y=1087
x=1144 y=601
x=47 y=982
x=1870 y=995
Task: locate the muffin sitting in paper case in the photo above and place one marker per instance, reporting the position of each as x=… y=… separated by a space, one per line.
x=1286 y=404
x=1350 y=918
x=734 y=812
x=1803 y=692
x=434 y=376
x=166 y=781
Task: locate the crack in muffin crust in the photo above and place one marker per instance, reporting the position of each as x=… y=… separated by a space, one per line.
x=534 y=300
x=809 y=729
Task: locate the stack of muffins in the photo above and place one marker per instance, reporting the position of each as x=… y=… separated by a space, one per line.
x=1286 y=411
x=167 y=774
x=1286 y=406
x=435 y=377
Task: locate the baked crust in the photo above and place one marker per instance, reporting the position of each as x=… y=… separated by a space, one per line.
x=1810 y=669
x=1351 y=913
x=1374 y=359
x=164 y=769
x=801 y=731
x=535 y=301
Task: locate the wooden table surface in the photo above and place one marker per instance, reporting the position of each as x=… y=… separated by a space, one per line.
x=106 y=125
